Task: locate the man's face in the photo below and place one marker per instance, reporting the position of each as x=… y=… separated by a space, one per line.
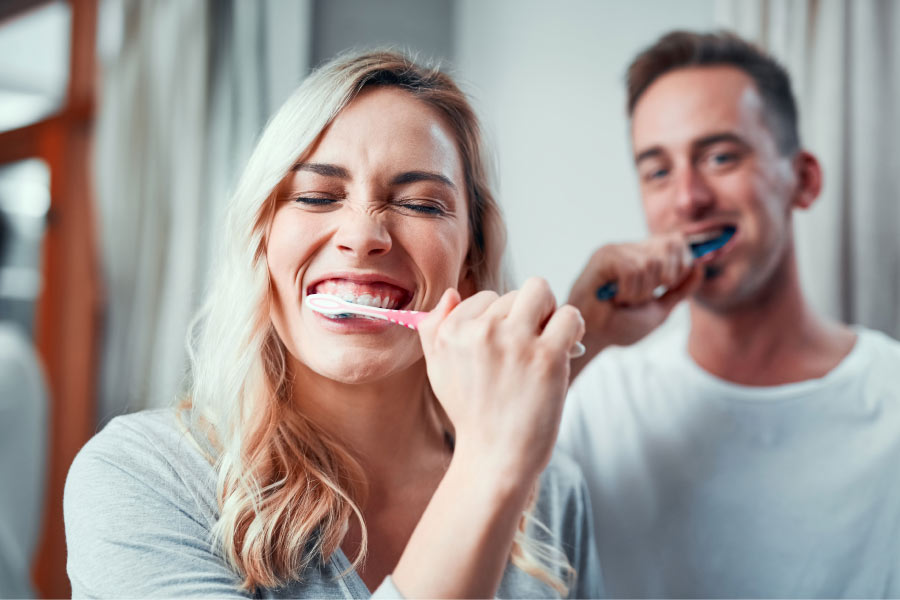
x=707 y=159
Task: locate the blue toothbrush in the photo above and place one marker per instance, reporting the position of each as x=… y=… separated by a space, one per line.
x=608 y=290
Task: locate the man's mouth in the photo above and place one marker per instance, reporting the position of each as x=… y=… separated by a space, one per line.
x=379 y=294
x=710 y=240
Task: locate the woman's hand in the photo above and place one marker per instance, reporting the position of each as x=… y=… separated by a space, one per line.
x=500 y=368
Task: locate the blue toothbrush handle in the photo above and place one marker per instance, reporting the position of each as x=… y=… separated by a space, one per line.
x=607 y=291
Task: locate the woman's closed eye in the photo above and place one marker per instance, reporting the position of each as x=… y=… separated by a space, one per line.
x=422 y=206
x=314 y=201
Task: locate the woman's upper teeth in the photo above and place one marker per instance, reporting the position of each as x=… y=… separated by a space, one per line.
x=367 y=300
x=380 y=295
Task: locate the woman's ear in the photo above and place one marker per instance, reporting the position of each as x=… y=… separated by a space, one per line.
x=466 y=285
x=809 y=179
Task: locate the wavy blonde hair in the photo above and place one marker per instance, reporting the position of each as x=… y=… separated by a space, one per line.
x=286 y=489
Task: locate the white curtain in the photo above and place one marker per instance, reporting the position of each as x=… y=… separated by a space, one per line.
x=844 y=61
x=187 y=87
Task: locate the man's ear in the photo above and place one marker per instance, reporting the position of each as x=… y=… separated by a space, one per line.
x=809 y=179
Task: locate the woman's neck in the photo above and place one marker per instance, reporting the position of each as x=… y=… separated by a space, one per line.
x=387 y=424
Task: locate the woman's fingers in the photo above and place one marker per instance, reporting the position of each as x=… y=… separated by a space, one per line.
x=472 y=307
x=500 y=308
x=564 y=329
x=525 y=314
x=429 y=325
x=451 y=315
x=532 y=306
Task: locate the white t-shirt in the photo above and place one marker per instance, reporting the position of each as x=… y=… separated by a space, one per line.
x=704 y=488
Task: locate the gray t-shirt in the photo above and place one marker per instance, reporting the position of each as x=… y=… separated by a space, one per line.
x=140 y=503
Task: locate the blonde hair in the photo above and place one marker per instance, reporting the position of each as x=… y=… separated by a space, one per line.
x=286 y=489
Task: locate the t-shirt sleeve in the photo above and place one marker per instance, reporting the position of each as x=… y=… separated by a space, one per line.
x=574 y=435
x=589 y=575
x=134 y=529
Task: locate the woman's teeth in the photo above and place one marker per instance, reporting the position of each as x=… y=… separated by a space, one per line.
x=367 y=300
x=376 y=295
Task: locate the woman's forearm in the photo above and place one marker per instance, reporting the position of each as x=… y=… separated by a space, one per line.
x=462 y=543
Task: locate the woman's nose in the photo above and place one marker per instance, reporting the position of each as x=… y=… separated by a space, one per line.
x=363 y=234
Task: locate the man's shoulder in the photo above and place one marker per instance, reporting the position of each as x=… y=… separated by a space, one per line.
x=878 y=355
x=878 y=343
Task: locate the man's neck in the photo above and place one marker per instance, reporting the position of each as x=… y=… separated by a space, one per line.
x=775 y=339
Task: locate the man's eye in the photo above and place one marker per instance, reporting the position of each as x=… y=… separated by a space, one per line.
x=722 y=158
x=718 y=160
x=655 y=174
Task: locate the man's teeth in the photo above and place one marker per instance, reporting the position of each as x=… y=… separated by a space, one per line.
x=705 y=236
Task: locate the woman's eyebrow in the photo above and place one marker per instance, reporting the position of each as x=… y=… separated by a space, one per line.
x=414 y=176
x=323 y=169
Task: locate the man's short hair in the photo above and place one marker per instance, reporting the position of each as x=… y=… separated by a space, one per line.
x=683 y=49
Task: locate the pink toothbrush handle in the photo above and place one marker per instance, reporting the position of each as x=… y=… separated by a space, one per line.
x=327 y=304
x=410 y=318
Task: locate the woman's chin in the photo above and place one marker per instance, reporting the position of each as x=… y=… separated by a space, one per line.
x=357 y=367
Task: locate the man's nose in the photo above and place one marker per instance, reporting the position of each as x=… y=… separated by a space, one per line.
x=363 y=233
x=693 y=196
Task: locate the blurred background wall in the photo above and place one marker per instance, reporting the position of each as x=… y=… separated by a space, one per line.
x=124 y=125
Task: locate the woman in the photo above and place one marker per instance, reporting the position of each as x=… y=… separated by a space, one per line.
x=320 y=457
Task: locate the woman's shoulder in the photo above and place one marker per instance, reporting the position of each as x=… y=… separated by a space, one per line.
x=563 y=505
x=563 y=521
x=562 y=481
x=146 y=440
x=148 y=452
x=139 y=507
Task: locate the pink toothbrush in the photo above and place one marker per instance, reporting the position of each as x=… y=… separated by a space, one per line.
x=332 y=305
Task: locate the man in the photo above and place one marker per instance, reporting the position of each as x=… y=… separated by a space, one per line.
x=757 y=454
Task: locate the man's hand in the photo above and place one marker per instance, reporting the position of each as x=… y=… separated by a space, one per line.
x=640 y=271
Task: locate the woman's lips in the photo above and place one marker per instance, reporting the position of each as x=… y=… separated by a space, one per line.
x=353 y=324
